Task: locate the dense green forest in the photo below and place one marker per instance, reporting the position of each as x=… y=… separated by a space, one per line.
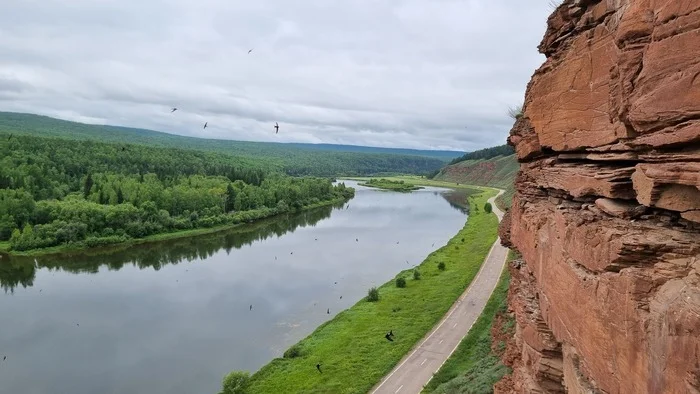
x=485 y=154
x=86 y=193
x=21 y=271
x=292 y=159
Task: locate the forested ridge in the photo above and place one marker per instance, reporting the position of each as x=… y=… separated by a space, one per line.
x=293 y=159
x=55 y=191
x=486 y=153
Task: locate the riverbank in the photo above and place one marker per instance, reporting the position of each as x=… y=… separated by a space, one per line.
x=502 y=201
x=81 y=246
x=387 y=184
x=351 y=348
x=476 y=365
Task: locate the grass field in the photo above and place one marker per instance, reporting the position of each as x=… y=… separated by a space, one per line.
x=473 y=367
x=351 y=347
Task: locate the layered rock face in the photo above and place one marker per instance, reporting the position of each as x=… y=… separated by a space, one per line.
x=607 y=209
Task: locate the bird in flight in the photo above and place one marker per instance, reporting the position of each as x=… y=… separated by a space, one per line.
x=388 y=337
x=251 y=307
x=277 y=128
x=318 y=366
x=205 y=124
x=10 y=137
x=250 y=50
x=173 y=110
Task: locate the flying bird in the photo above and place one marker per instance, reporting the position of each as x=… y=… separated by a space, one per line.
x=10 y=137
x=205 y=124
x=173 y=110
x=318 y=366
x=277 y=128
x=391 y=333
x=328 y=311
x=250 y=50
x=388 y=337
x=341 y=297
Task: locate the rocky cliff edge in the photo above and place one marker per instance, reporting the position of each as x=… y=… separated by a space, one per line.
x=607 y=209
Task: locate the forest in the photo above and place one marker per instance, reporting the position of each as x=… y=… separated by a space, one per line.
x=487 y=153
x=21 y=271
x=55 y=191
x=291 y=158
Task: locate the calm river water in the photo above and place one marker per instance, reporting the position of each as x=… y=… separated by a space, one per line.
x=174 y=317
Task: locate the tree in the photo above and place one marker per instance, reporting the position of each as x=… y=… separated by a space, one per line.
x=235 y=382
x=87 y=186
x=373 y=295
x=487 y=207
x=400 y=282
x=120 y=196
x=7 y=225
x=230 y=198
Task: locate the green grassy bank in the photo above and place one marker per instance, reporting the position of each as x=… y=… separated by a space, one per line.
x=351 y=347
x=393 y=185
x=474 y=367
x=79 y=246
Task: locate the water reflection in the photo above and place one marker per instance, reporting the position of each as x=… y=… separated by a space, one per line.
x=16 y=271
x=173 y=316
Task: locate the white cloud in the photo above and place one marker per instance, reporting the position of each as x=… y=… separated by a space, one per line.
x=404 y=73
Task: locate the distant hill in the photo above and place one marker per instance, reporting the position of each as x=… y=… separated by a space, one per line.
x=497 y=171
x=487 y=153
x=292 y=158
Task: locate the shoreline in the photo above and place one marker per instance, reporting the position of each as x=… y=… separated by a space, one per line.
x=72 y=248
x=411 y=312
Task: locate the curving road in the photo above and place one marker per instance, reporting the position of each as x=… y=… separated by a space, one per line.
x=415 y=370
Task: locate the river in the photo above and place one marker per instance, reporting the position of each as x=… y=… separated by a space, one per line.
x=174 y=316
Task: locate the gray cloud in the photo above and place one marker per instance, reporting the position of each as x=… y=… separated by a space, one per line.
x=406 y=73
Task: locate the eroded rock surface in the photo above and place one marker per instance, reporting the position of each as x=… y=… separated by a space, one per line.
x=607 y=210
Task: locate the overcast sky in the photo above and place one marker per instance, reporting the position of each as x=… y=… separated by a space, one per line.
x=436 y=74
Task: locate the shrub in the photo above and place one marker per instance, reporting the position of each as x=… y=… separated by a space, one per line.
x=516 y=112
x=416 y=275
x=441 y=266
x=373 y=295
x=487 y=207
x=293 y=352
x=400 y=282
x=235 y=383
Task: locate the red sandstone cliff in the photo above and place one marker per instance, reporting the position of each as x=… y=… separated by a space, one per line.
x=607 y=209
